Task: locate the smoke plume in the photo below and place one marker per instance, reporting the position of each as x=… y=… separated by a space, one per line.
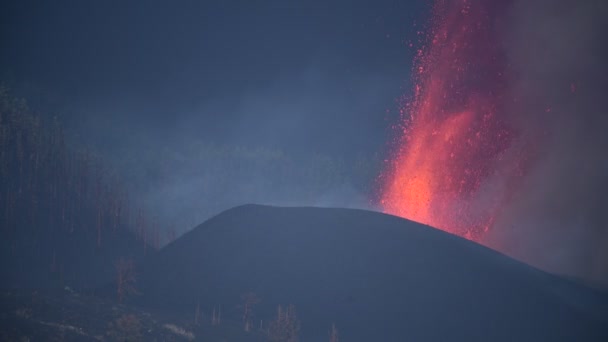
x=556 y=219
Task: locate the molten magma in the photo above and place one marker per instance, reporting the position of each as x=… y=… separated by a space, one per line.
x=453 y=134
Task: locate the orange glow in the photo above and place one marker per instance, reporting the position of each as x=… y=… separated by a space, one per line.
x=452 y=135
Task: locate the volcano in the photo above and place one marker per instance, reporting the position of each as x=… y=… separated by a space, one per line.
x=377 y=277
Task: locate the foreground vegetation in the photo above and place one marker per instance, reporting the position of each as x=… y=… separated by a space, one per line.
x=66 y=315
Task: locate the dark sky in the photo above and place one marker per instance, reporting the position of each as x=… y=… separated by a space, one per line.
x=300 y=75
x=308 y=76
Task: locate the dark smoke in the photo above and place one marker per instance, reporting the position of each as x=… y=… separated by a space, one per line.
x=557 y=220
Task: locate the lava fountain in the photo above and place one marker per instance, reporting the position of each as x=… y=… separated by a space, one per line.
x=454 y=131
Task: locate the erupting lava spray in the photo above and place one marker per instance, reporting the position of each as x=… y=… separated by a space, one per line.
x=503 y=139
x=454 y=133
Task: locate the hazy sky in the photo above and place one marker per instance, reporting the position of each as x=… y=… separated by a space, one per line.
x=313 y=77
x=295 y=74
x=140 y=78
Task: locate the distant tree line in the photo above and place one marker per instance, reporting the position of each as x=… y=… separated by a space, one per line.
x=189 y=181
x=64 y=218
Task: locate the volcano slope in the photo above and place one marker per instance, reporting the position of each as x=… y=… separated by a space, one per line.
x=377 y=277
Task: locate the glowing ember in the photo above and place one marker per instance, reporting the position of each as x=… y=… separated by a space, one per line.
x=453 y=135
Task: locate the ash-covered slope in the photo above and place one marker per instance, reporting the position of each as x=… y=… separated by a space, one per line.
x=378 y=277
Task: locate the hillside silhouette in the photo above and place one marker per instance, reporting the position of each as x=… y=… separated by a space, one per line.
x=376 y=276
x=65 y=219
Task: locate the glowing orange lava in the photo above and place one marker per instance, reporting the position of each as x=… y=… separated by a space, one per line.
x=452 y=135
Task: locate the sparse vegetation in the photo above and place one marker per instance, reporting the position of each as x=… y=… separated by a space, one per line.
x=285 y=327
x=249 y=300
x=333 y=334
x=197 y=313
x=71 y=316
x=216 y=316
x=125 y=279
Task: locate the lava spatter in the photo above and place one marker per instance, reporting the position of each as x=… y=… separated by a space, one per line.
x=454 y=130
